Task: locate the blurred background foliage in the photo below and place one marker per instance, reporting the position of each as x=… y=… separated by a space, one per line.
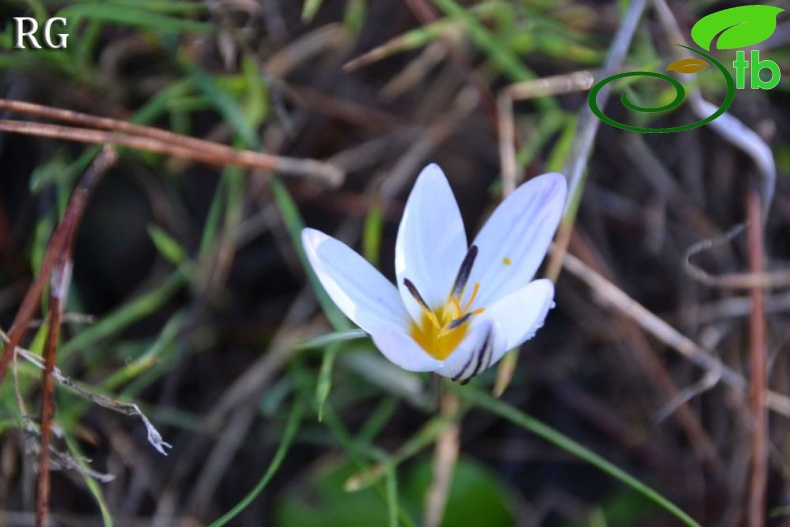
x=199 y=306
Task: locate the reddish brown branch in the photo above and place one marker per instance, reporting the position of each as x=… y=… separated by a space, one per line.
x=757 y=361
x=57 y=247
x=57 y=300
x=57 y=269
x=103 y=130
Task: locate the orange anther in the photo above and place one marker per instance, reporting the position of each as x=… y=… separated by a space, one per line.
x=472 y=298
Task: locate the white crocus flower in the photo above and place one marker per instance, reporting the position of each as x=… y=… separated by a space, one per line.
x=456 y=309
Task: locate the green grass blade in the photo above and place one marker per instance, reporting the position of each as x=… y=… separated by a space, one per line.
x=92 y=484
x=391 y=486
x=291 y=427
x=310 y=8
x=163 y=342
x=134 y=17
x=167 y=246
x=356 y=451
x=354 y=16
x=324 y=384
x=502 y=56
x=224 y=104
x=371 y=235
x=164 y=6
x=421 y=440
x=529 y=423
x=126 y=315
x=294 y=225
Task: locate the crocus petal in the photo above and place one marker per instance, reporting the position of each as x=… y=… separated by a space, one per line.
x=520 y=314
x=431 y=241
x=358 y=289
x=395 y=344
x=476 y=352
x=516 y=237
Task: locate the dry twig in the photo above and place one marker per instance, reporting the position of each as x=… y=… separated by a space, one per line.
x=103 y=130
x=611 y=295
x=759 y=372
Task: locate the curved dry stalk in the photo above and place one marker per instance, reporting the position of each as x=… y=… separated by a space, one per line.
x=762 y=279
x=610 y=295
x=131 y=409
x=758 y=479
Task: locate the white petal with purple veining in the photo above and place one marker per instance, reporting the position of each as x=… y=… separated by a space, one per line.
x=475 y=353
x=514 y=240
x=521 y=313
x=395 y=344
x=431 y=241
x=358 y=289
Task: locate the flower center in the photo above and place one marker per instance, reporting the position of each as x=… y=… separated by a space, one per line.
x=442 y=329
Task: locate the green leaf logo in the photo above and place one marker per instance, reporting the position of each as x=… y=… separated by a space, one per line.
x=738 y=27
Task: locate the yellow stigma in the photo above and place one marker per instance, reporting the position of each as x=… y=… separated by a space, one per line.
x=440 y=331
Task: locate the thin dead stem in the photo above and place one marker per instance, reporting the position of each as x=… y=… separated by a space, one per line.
x=103 y=130
x=757 y=362
x=58 y=292
x=574 y=168
x=57 y=246
x=610 y=295
x=589 y=123
x=547 y=86
x=444 y=459
x=762 y=280
x=131 y=409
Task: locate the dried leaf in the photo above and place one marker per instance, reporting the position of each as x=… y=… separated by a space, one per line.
x=687 y=66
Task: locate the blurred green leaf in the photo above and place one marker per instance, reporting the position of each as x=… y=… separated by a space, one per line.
x=371 y=235
x=134 y=16
x=499 y=54
x=476 y=497
x=225 y=105
x=166 y=245
x=321 y=502
x=545 y=432
x=294 y=225
x=309 y=9
x=93 y=485
x=128 y=313
x=354 y=16
x=291 y=427
x=624 y=509
x=324 y=384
